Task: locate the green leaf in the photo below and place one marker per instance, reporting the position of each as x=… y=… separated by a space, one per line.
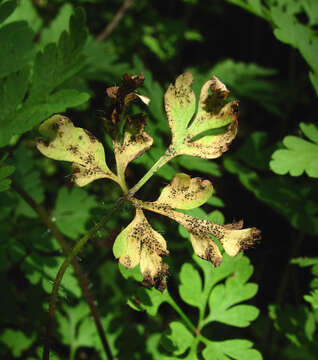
x=29 y=178
x=6 y=9
x=276 y=191
x=77 y=145
x=304 y=262
x=16 y=47
x=297 y=324
x=25 y=11
x=5 y=172
x=140 y=243
x=237 y=349
x=178 y=340
x=299 y=156
x=191 y=285
x=313 y=299
x=17 y=341
x=52 y=67
x=71 y=329
x=201 y=165
x=72 y=211
x=39 y=269
x=234 y=291
x=60 y=23
x=185 y=192
x=150 y=300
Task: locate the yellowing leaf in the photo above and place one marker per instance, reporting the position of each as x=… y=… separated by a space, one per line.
x=66 y=142
x=140 y=243
x=186 y=193
x=180 y=106
x=206 y=248
x=136 y=142
x=214 y=126
x=232 y=236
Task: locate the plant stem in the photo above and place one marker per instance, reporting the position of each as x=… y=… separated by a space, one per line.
x=167 y=156
x=74 y=252
x=112 y=25
x=44 y=216
x=183 y=316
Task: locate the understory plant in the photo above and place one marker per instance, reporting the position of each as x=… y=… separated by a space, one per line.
x=205 y=131
x=162 y=274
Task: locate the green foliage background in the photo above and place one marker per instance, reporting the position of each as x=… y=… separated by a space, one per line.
x=266 y=52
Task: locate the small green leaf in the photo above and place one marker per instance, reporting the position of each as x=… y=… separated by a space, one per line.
x=69 y=326
x=304 y=262
x=179 y=340
x=29 y=177
x=41 y=91
x=238 y=349
x=186 y=193
x=16 y=47
x=5 y=172
x=224 y=297
x=26 y=11
x=72 y=211
x=201 y=165
x=150 y=300
x=6 y=10
x=191 y=285
x=17 y=341
x=56 y=27
x=313 y=299
x=77 y=145
x=139 y=243
x=300 y=155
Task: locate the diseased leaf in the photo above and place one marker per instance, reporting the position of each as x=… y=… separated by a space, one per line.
x=122 y=96
x=185 y=193
x=299 y=156
x=232 y=236
x=214 y=125
x=136 y=142
x=139 y=243
x=180 y=106
x=69 y=143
